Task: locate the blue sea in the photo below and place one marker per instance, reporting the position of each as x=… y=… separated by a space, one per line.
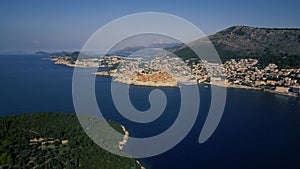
x=257 y=130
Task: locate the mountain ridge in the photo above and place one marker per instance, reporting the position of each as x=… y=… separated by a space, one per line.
x=277 y=45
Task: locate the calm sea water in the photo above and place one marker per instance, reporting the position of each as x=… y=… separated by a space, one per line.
x=258 y=129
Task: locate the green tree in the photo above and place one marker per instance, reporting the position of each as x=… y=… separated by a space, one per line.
x=6 y=159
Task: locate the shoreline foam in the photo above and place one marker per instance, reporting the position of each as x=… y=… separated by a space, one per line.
x=125 y=138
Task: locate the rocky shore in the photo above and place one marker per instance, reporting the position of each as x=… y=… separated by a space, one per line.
x=58 y=61
x=125 y=138
x=160 y=79
x=103 y=73
x=124 y=141
x=280 y=91
x=163 y=79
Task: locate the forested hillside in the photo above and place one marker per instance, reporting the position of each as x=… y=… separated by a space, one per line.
x=53 y=140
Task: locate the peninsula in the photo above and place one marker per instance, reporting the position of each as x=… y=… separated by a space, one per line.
x=171 y=71
x=249 y=60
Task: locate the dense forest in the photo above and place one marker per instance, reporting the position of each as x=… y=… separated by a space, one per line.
x=53 y=140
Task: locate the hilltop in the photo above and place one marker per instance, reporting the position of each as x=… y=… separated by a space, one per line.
x=269 y=45
x=132 y=49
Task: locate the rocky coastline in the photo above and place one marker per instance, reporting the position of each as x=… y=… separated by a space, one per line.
x=175 y=84
x=123 y=143
x=163 y=79
x=228 y=85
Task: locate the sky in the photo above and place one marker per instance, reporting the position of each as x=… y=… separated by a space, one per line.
x=36 y=25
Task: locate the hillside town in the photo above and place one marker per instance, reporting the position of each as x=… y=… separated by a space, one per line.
x=173 y=71
x=105 y=61
x=246 y=72
x=161 y=71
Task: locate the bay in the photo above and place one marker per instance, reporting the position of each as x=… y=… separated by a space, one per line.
x=257 y=130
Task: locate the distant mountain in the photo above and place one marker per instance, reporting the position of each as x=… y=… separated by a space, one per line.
x=62 y=53
x=15 y=53
x=164 y=45
x=130 y=50
x=279 y=46
x=41 y=53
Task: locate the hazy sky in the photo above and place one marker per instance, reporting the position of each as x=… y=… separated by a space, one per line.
x=32 y=25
